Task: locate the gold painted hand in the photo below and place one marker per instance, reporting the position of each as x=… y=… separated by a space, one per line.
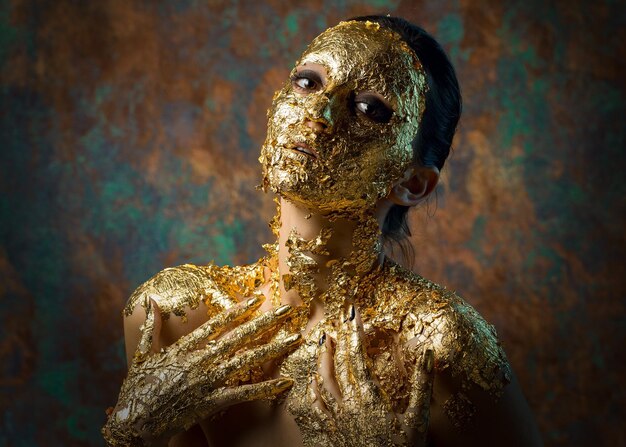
x=353 y=408
x=169 y=390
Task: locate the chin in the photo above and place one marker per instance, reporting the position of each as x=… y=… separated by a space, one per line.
x=318 y=192
x=320 y=202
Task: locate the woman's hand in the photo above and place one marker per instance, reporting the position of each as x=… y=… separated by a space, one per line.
x=352 y=406
x=169 y=390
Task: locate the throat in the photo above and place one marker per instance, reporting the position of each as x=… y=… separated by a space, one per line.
x=321 y=258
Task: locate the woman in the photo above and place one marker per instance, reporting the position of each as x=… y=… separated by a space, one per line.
x=326 y=341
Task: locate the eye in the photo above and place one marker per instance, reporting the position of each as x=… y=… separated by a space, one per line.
x=373 y=108
x=306 y=81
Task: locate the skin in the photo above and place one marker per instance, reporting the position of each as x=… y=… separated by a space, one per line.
x=505 y=421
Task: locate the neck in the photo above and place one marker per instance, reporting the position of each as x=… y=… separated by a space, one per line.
x=311 y=246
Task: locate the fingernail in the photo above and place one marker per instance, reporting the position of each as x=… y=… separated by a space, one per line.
x=251 y=302
x=322 y=338
x=352 y=312
x=282 y=310
x=292 y=338
x=429 y=360
x=148 y=306
x=284 y=383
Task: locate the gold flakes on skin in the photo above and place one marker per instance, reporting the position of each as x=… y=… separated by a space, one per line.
x=302 y=265
x=180 y=289
x=460 y=410
x=403 y=314
x=410 y=325
x=358 y=159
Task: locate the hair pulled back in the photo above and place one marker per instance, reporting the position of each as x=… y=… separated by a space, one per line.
x=431 y=145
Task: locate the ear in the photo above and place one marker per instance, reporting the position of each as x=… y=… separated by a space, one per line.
x=416 y=184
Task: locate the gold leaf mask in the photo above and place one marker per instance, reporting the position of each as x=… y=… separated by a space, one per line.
x=366 y=105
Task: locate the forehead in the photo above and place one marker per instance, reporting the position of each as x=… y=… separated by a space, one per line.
x=368 y=56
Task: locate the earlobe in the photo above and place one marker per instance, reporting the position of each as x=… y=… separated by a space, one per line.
x=416 y=184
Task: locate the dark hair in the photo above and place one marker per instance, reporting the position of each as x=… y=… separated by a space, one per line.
x=431 y=145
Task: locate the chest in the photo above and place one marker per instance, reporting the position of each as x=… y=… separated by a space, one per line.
x=314 y=364
x=286 y=422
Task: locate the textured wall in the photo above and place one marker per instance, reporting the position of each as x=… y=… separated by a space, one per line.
x=129 y=137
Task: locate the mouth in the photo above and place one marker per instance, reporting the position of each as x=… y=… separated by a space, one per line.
x=304 y=148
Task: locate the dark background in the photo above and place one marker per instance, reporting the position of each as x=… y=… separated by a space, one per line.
x=129 y=139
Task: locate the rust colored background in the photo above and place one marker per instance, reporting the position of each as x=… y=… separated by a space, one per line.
x=129 y=137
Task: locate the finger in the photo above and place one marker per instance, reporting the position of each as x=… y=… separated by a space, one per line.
x=251 y=358
x=342 y=362
x=158 y=323
x=355 y=337
x=321 y=409
x=369 y=390
x=218 y=298
x=150 y=332
x=223 y=398
x=218 y=324
x=243 y=334
x=323 y=405
x=327 y=387
x=417 y=415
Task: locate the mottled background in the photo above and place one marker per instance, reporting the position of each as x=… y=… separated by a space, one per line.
x=129 y=140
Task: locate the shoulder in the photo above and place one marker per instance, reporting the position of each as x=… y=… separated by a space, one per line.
x=185 y=287
x=179 y=289
x=186 y=296
x=476 y=398
x=465 y=345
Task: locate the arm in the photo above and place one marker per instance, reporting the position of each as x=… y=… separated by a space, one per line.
x=474 y=417
x=476 y=398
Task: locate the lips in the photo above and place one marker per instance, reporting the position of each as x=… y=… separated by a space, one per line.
x=304 y=148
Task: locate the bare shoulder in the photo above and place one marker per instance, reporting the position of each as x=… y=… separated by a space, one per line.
x=178 y=290
x=425 y=314
x=187 y=296
x=464 y=343
x=476 y=398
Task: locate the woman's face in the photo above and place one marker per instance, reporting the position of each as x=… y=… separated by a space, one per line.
x=340 y=130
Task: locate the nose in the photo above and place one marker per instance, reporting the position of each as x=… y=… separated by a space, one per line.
x=316 y=125
x=317 y=113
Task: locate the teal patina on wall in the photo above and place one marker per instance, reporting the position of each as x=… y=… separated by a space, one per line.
x=129 y=142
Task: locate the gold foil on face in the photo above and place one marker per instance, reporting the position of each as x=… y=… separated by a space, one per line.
x=357 y=159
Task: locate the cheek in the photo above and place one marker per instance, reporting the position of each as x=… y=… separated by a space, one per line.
x=400 y=148
x=368 y=140
x=386 y=154
x=283 y=111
